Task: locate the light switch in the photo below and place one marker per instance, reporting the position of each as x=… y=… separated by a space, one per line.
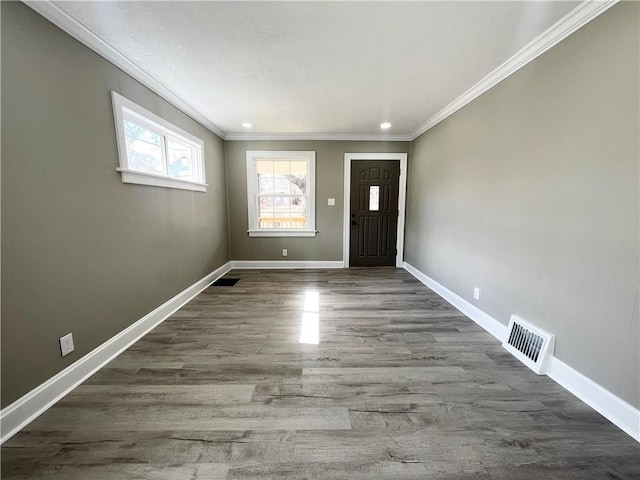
x=331 y=202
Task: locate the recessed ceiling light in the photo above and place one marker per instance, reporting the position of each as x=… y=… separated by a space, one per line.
x=246 y=125
x=385 y=125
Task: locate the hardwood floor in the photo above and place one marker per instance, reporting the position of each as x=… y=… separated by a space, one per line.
x=400 y=386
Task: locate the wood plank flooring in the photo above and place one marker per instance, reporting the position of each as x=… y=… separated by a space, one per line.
x=400 y=386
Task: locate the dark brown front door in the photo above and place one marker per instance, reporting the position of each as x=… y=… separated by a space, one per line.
x=374 y=212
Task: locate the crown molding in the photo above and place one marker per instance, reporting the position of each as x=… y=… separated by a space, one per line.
x=68 y=23
x=579 y=16
x=86 y=36
x=363 y=137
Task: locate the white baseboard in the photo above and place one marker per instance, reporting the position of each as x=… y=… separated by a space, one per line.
x=613 y=408
x=490 y=324
x=23 y=411
x=270 y=264
x=617 y=411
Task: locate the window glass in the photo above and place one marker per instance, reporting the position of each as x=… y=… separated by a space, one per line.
x=298 y=178
x=281 y=188
x=279 y=185
x=144 y=149
x=180 y=159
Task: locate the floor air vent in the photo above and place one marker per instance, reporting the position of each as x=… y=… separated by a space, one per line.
x=531 y=345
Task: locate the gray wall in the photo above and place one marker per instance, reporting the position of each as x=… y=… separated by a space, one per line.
x=531 y=192
x=327 y=245
x=81 y=251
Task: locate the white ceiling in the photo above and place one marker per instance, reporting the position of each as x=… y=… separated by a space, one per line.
x=317 y=67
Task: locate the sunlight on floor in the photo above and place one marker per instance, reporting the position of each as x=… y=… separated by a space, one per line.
x=310 y=329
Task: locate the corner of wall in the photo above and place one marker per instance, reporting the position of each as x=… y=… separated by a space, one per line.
x=225 y=144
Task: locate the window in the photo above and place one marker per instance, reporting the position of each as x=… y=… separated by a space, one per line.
x=281 y=194
x=152 y=151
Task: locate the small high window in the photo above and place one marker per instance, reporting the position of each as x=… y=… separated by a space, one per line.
x=153 y=151
x=281 y=193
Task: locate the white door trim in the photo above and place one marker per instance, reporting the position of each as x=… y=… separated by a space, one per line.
x=346 y=229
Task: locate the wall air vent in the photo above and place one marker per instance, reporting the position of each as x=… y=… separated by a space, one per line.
x=531 y=345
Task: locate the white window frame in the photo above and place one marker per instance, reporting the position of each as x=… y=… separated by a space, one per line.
x=125 y=109
x=252 y=193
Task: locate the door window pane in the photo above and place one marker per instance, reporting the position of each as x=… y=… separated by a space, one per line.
x=374 y=198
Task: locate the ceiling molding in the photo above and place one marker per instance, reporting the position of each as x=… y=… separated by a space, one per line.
x=397 y=137
x=584 y=13
x=77 y=30
x=581 y=15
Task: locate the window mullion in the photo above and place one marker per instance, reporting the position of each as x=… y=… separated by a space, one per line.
x=165 y=152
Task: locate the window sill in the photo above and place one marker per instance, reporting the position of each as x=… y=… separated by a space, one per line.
x=143 y=178
x=282 y=233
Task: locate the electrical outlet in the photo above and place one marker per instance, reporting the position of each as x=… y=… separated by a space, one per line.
x=284 y=252
x=331 y=202
x=476 y=293
x=66 y=344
